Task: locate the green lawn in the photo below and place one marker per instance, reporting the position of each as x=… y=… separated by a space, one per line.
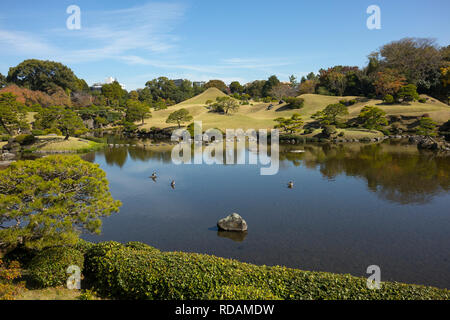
x=257 y=116
x=57 y=143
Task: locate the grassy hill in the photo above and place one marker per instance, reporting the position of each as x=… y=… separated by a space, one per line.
x=257 y=116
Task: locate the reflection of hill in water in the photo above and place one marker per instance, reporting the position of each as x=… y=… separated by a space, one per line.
x=396 y=173
x=118 y=156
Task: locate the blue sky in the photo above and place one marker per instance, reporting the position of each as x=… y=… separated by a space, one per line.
x=138 y=40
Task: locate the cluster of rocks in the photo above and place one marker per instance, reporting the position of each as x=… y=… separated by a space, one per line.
x=441 y=145
x=10 y=151
x=429 y=143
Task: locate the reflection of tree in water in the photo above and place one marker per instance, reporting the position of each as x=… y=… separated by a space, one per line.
x=145 y=154
x=395 y=175
x=118 y=156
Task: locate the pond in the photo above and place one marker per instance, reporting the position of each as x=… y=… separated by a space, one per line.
x=352 y=206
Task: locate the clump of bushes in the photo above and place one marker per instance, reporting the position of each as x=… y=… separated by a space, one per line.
x=308 y=130
x=38 y=132
x=347 y=103
x=388 y=99
x=48 y=268
x=329 y=130
x=241 y=293
x=422 y=100
x=25 y=139
x=9 y=273
x=130 y=272
x=294 y=103
x=4 y=138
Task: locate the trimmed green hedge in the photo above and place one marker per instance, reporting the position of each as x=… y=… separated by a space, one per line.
x=48 y=268
x=241 y=293
x=141 y=272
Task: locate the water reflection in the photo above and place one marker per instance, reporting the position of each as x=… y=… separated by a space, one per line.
x=351 y=206
x=397 y=173
x=235 y=236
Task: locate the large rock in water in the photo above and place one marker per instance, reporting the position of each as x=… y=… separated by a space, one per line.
x=233 y=222
x=428 y=143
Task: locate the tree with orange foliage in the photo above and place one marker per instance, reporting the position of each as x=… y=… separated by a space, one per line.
x=388 y=81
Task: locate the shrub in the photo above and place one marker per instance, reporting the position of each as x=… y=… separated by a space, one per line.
x=53 y=131
x=21 y=254
x=308 y=130
x=8 y=273
x=38 y=132
x=141 y=246
x=328 y=131
x=389 y=99
x=48 y=268
x=127 y=272
x=241 y=293
x=83 y=246
x=87 y=295
x=422 y=100
x=25 y=139
x=341 y=134
x=295 y=103
x=5 y=138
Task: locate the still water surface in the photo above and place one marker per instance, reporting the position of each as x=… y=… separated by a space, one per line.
x=352 y=206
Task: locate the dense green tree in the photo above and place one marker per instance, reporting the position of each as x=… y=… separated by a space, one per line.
x=136 y=110
x=329 y=130
x=408 y=93
x=44 y=76
x=255 y=88
x=271 y=83
x=373 y=117
x=294 y=103
x=164 y=89
x=219 y=84
x=100 y=114
x=329 y=115
x=180 y=116
x=289 y=125
x=426 y=127
x=63 y=119
x=50 y=201
x=12 y=113
x=113 y=92
x=236 y=87
x=225 y=104
x=3 y=81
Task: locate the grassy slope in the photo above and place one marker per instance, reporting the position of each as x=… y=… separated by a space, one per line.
x=257 y=116
x=57 y=143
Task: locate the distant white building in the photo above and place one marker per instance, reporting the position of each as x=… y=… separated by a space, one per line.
x=199 y=83
x=98 y=85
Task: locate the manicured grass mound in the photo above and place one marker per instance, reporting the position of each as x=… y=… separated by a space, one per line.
x=135 y=272
x=48 y=268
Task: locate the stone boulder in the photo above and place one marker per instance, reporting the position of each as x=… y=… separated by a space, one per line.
x=12 y=146
x=7 y=156
x=428 y=143
x=233 y=222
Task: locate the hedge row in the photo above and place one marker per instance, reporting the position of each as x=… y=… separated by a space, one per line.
x=48 y=268
x=137 y=271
